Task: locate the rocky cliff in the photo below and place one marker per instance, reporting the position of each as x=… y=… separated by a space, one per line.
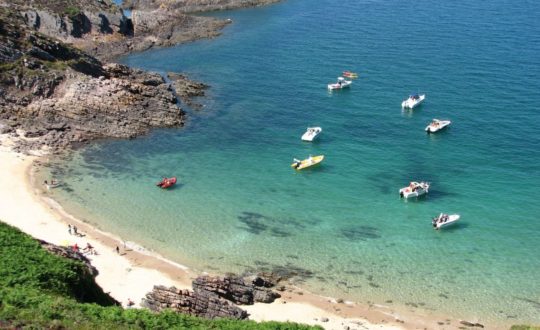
x=55 y=83
x=56 y=92
x=193 y=6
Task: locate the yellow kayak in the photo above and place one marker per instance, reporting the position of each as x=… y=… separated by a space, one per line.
x=308 y=162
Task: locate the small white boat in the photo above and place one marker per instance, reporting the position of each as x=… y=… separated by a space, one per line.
x=436 y=125
x=414 y=189
x=444 y=220
x=311 y=133
x=413 y=101
x=53 y=184
x=341 y=83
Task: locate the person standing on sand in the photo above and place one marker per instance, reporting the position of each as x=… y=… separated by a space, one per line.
x=75 y=231
x=117 y=249
x=69 y=229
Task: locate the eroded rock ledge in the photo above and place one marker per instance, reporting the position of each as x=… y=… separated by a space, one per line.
x=214 y=297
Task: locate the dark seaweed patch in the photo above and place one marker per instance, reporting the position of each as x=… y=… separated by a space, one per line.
x=253 y=221
x=360 y=233
x=257 y=223
x=276 y=232
x=354 y=272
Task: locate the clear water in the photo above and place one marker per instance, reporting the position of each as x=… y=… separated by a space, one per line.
x=342 y=226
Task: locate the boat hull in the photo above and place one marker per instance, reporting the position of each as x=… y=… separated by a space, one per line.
x=309 y=136
x=411 y=104
x=415 y=189
x=452 y=219
x=307 y=163
x=435 y=128
x=345 y=84
x=166 y=183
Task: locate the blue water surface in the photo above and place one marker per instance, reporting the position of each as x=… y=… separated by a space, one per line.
x=342 y=226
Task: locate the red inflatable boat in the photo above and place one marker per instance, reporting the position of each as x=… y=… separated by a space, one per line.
x=166 y=182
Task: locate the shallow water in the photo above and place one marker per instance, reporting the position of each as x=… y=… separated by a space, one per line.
x=341 y=226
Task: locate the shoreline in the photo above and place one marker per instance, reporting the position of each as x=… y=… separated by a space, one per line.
x=134 y=271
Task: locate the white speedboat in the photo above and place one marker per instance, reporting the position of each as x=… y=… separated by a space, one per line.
x=311 y=133
x=51 y=185
x=414 y=189
x=341 y=83
x=444 y=220
x=436 y=125
x=413 y=101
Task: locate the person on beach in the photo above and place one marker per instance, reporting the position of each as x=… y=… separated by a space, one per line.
x=75 y=247
x=117 y=249
x=69 y=226
x=89 y=248
x=130 y=302
x=75 y=231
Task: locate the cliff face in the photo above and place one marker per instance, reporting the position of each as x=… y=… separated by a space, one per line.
x=63 y=95
x=55 y=86
x=193 y=6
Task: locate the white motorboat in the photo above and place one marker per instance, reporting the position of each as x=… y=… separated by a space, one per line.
x=341 y=83
x=413 y=101
x=414 y=189
x=436 y=125
x=444 y=220
x=311 y=133
x=51 y=185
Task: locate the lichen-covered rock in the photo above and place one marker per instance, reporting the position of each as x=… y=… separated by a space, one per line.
x=204 y=304
x=242 y=291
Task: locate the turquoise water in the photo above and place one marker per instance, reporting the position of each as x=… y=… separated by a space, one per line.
x=342 y=226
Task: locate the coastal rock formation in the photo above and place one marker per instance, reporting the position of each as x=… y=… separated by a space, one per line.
x=241 y=291
x=214 y=296
x=193 y=6
x=187 y=89
x=68 y=252
x=61 y=95
x=204 y=304
x=55 y=87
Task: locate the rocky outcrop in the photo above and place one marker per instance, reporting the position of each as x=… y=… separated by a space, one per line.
x=193 y=6
x=187 y=89
x=62 y=95
x=214 y=297
x=203 y=304
x=241 y=291
x=69 y=253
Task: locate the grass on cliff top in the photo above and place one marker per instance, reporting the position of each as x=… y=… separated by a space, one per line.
x=41 y=290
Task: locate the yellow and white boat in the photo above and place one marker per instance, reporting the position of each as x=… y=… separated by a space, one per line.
x=308 y=162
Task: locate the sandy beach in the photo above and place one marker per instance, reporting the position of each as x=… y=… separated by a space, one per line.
x=132 y=272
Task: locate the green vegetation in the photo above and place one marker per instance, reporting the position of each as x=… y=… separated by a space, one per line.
x=524 y=327
x=41 y=290
x=72 y=11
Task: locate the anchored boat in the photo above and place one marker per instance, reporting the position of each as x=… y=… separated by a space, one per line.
x=340 y=84
x=166 y=182
x=308 y=162
x=436 y=125
x=414 y=189
x=444 y=220
x=349 y=74
x=311 y=133
x=413 y=101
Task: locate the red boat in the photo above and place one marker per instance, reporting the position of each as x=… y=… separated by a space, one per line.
x=166 y=182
